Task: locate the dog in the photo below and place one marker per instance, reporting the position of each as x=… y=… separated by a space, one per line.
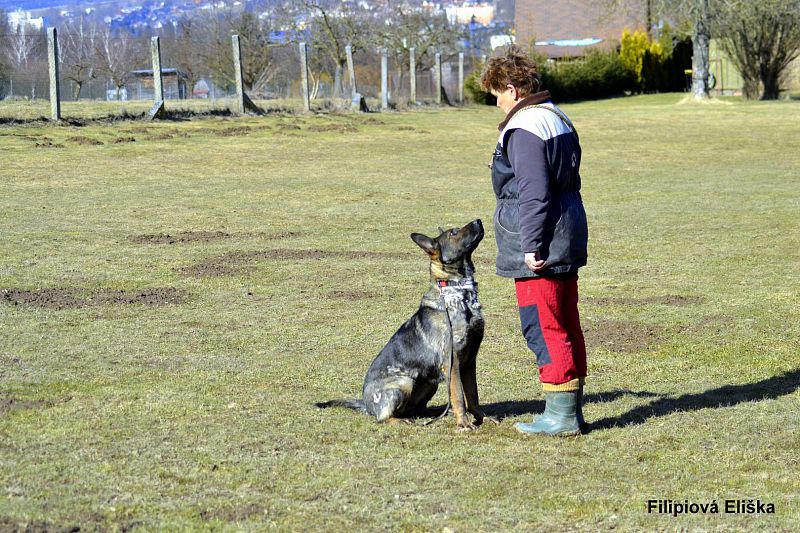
x=439 y=343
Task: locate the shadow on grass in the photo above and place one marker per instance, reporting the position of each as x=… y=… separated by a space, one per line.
x=501 y=410
x=726 y=396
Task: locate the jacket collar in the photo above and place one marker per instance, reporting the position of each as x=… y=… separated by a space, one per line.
x=531 y=99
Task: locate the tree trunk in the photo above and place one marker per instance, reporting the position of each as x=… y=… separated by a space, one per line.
x=772 y=88
x=77 y=91
x=700 y=40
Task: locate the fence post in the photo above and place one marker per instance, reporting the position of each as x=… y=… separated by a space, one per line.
x=351 y=71
x=243 y=102
x=437 y=78
x=461 y=78
x=304 y=76
x=157 y=110
x=384 y=79
x=412 y=67
x=52 y=59
x=357 y=102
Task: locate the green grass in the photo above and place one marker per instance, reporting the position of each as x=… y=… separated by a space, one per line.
x=199 y=415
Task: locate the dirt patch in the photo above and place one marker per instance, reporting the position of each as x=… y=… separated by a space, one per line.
x=233 y=514
x=230 y=132
x=73 y=298
x=80 y=139
x=341 y=128
x=351 y=295
x=15 y=404
x=33 y=526
x=180 y=237
x=374 y=122
x=49 y=144
x=406 y=128
x=121 y=140
x=183 y=237
x=670 y=299
x=159 y=137
x=622 y=336
x=235 y=263
x=285 y=126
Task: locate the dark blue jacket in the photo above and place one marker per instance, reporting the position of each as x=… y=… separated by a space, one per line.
x=536 y=179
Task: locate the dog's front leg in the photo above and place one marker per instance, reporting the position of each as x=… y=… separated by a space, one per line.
x=457 y=399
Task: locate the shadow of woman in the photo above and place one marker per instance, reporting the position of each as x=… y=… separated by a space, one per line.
x=501 y=410
x=726 y=396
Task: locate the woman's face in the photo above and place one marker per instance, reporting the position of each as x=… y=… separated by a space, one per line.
x=506 y=99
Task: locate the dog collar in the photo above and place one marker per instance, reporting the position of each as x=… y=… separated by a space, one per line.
x=466 y=283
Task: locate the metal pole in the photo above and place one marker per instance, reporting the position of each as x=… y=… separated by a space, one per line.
x=52 y=59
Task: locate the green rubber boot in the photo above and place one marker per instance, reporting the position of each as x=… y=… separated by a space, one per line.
x=579 y=410
x=559 y=418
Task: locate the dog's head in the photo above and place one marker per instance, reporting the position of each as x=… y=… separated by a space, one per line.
x=451 y=251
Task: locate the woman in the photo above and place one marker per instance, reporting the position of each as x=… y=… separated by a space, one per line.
x=541 y=232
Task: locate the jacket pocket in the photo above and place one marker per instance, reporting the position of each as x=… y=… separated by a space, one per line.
x=506 y=232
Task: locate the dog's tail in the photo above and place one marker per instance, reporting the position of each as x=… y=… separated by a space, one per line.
x=356 y=405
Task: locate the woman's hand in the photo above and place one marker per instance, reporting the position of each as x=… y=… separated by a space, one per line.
x=533 y=261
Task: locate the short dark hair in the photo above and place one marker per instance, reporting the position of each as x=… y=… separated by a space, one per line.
x=514 y=68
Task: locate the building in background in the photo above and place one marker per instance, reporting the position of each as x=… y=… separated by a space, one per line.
x=569 y=27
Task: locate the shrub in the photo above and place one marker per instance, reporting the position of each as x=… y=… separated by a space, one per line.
x=598 y=74
x=474 y=91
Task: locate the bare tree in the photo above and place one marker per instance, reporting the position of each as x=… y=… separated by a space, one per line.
x=762 y=39
x=184 y=47
x=3 y=52
x=332 y=33
x=25 y=45
x=119 y=54
x=258 y=68
x=426 y=32
x=77 y=43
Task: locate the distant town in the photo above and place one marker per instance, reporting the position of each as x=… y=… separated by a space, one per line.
x=157 y=15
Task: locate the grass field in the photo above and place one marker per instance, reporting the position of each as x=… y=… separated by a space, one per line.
x=175 y=296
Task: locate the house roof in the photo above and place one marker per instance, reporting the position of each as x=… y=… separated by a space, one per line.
x=569 y=27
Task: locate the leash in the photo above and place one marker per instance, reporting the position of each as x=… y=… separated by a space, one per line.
x=442 y=284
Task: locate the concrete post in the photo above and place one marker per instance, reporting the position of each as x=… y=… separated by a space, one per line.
x=52 y=59
x=158 y=105
x=237 y=66
x=437 y=78
x=304 y=76
x=351 y=71
x=412 y=67
x=384 y=79
x=158 y=82
x=461 y=78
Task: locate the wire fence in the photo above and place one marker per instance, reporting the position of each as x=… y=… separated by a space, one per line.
x=119 y=70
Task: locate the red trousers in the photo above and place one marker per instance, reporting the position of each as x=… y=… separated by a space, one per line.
x=548 y=311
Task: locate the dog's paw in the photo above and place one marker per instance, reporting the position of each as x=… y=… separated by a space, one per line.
x=465 y=426
x=491 y=419
x=399 y=421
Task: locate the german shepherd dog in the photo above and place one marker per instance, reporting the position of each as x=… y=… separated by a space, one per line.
x=438 y=343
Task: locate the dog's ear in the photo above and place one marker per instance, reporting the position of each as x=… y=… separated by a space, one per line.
x=424 y=242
